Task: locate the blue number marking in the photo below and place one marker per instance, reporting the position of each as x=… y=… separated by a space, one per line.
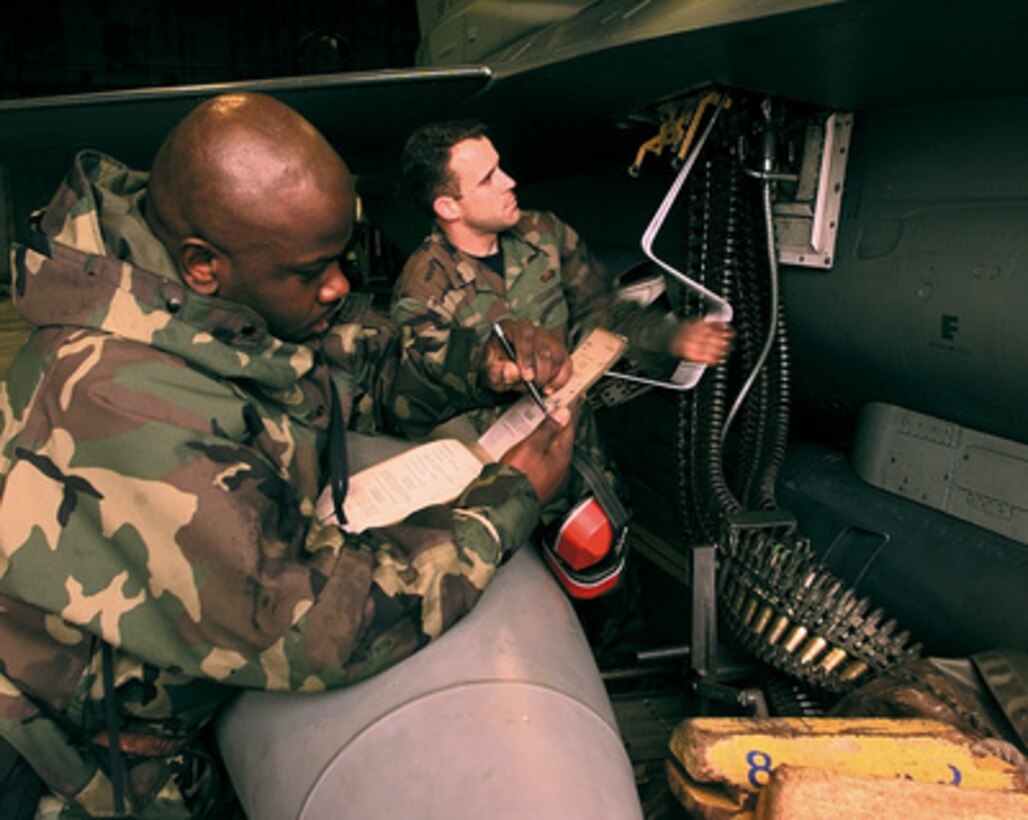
x=957 y=777
x=759 y=762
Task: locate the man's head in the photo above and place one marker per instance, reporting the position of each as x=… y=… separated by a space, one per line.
x=452 y=171
x=256 y=207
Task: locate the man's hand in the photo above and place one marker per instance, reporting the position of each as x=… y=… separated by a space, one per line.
x=545 y=455
x=541 y=358
x=702 y=341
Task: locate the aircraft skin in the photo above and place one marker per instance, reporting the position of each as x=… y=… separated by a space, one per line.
x=906 y=463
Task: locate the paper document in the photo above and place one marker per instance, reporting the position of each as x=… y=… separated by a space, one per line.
x=437 y=472
x=591 y=359
x=433 y=473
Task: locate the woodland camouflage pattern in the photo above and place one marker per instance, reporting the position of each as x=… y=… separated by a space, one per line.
x=446 y=300
x=160 y=460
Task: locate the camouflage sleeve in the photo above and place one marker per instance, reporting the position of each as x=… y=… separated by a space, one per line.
x=362 y=349
x=436 y=562
x=390 y=386
x=440 y=373
x=593 y=300
x=394 y=589
x=159 y=512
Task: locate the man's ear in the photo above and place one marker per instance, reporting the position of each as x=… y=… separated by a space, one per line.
x=202 y=265
x=446 y=208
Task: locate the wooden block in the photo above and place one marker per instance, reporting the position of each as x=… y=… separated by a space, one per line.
x=821 y=795
x=742 y=752
x=706 y=800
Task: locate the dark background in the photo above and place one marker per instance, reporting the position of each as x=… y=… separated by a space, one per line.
x=105 y=45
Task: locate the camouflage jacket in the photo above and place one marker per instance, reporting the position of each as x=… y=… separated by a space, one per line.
x=160 y=459
x=446 y=300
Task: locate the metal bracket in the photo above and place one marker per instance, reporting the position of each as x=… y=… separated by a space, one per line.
x=687 y=374
x=806 y=226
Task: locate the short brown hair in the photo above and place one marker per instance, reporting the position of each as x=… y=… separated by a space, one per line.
x=426 y=159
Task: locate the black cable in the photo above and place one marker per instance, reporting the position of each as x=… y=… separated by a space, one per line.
x=113 y=718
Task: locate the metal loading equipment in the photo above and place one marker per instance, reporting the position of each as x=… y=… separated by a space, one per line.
x=773 y=595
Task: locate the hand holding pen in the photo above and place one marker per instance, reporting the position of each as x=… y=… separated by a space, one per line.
x=542 y=363
x=508 y=348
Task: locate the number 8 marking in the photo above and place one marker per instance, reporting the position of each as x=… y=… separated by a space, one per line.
x=759 y=762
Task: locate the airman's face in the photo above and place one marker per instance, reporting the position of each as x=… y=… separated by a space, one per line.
x=485 y=200
x=292 y=275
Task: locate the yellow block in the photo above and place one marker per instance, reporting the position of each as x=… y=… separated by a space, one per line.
x=741 y=753
x=711 y=802
x=820 y=795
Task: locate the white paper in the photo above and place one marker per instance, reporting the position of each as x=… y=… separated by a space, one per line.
x=438 y=472
x=433 y=473
x=590 y=360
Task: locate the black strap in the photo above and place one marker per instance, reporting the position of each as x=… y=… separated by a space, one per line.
x=601 y=489
x=20 y=786
x=338 y=466
x=113 y=715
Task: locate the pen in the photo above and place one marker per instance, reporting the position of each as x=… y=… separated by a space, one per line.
x=513 y=356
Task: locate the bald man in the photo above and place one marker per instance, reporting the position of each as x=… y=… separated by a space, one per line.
x=167 y=431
